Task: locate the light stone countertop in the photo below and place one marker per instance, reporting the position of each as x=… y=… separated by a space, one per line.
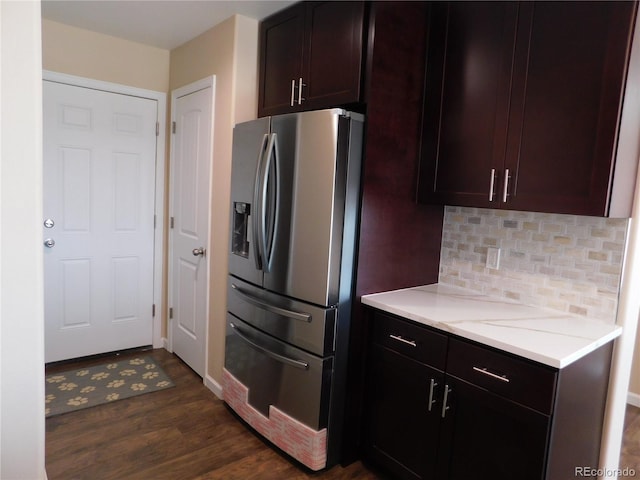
x=550 y=337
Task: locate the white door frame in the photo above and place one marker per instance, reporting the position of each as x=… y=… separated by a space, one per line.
x=208 y=82
x=161 y=98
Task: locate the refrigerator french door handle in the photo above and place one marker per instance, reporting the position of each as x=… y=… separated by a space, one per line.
x=267 y=243
x=257 y=207
x=276 y=356
x=303 y=317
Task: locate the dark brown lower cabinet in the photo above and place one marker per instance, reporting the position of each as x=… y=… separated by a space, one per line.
x=444 y=408
x=484 y=436
x=402 y=415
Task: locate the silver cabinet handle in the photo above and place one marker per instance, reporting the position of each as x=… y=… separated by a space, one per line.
x=445 y=407
x=276 y=356
x=304 y=317
x=484 y=371
x=199 y=251
x=505 y=191
x=300 y=85
x=49 y=243
x=403 y=340
x=293 y=91
x=432 y=387
x=492 y=184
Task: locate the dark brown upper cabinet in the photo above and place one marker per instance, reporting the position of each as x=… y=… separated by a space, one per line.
x=311 y=57
x=523 y=104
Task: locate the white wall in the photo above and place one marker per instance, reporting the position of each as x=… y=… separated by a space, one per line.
x=22 y=425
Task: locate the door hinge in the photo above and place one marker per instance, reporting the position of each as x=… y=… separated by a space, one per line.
x=171 y=312
x=171 y=222
x=157 y=129
x=173 y=127
x=153 y=310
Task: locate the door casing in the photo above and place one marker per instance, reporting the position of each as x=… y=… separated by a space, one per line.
x=207 y=82
x=160 y=97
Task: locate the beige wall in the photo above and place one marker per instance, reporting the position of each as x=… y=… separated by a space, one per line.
x=75 y=51
x=80 y=52
x=230 y=52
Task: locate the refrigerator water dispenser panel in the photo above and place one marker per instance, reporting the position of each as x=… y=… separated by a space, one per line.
x=240 y=233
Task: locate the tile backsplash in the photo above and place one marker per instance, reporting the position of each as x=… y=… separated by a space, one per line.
x=565 y=262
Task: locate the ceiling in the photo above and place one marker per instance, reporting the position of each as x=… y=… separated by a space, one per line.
x=161 y=23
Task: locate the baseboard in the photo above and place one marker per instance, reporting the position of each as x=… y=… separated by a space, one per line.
x=214 y=386
x=165 y=344
x=633 y=399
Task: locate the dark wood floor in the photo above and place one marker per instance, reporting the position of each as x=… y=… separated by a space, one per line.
x=187 y=433
x=630 y=454
x=184 y=432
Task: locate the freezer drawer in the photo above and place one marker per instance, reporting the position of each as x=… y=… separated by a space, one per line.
x=278 y=374
x=306 y=326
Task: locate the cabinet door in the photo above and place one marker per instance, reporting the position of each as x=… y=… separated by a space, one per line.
x=401 y=431
x=281 y=45
x=333 y=54
x=568 y=78
x=487 y=437
x=467 y=82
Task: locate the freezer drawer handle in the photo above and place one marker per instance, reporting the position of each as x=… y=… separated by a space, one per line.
x=276 y=356
x=303 y=317
x=483 y=370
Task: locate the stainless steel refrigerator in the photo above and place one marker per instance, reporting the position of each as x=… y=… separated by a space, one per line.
x=295 y=189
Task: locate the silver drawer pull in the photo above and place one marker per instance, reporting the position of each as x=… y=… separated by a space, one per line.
x=502 y=378
x=400 y=339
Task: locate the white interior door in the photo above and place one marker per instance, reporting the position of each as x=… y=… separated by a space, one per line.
x=98 y=225
x=192 y=152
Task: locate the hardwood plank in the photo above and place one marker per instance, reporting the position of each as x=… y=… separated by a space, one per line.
x=187 y=433
x=262 y=465
x=630 y=454
x=184 y=432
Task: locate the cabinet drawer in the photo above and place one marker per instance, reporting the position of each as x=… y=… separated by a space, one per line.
x=409 y=339
x=516 y=379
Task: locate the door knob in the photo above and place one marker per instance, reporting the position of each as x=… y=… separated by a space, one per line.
x=199 y=251
x=49 y=242
x=49 y=223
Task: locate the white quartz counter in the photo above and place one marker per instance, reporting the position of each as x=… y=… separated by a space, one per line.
x=546 y=336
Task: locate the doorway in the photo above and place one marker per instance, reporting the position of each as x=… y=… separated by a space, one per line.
x=192 y=110
x=102 y=238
